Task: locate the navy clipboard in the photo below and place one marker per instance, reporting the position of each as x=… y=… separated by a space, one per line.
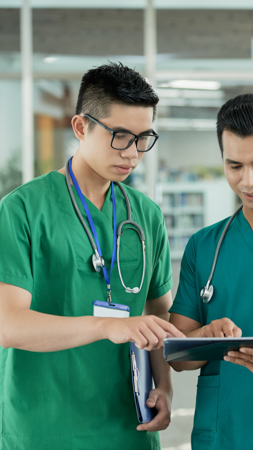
x=202 y=349
x=142 y=382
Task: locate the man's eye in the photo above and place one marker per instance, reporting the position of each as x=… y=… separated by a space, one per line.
x=235 y=167
x=143 y=138
x=120 y=136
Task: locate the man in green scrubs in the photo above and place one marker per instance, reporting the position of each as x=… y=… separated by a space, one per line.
x=223 y=415
x=64 y=383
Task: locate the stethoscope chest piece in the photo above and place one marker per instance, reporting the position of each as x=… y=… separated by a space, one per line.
x=97 y=262
x=206 y=293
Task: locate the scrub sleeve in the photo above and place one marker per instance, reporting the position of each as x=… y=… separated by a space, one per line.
x=79 y=398
x=223 y=415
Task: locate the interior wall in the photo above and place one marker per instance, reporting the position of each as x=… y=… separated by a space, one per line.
x=10 y=119
x=189 y=148
x=195 y=33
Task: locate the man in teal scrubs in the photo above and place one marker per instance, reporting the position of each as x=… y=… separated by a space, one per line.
x=64 y=384
x=223 y=415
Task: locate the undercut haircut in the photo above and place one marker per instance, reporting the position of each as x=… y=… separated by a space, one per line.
x=109 y=84
x=236 y=115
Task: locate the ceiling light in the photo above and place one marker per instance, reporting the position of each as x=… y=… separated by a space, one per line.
x=49 y=59
x=188 y=93
x=193 y=84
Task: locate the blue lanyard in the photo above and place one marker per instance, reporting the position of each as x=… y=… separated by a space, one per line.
x=93 y=229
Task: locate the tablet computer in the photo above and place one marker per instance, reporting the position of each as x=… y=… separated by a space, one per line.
x=202 y=349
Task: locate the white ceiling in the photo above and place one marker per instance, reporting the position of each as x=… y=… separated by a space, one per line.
x=224 y=40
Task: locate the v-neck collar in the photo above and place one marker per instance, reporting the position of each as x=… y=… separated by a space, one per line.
x=245 y=230
x=106 y=210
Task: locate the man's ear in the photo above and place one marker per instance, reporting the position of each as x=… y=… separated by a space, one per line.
x=79 y=125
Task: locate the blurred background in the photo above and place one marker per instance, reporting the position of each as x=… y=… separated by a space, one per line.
x=196 y=53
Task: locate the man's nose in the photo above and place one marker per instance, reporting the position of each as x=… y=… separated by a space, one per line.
x=130 y=152
x=247 y=177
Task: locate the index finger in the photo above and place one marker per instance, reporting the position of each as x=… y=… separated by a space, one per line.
x=231 y=330
x=170 y=329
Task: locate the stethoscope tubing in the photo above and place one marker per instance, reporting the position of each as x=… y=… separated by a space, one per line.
x=129 y=221
x=80 y=217
x=220 y=242
x=206 y=292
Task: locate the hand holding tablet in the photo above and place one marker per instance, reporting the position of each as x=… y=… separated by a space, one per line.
x=203 y=349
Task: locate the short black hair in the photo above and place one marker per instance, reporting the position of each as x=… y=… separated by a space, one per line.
x=113 y=83
x=236 y=115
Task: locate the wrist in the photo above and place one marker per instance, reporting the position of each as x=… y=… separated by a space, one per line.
x=166 y=388
x=102 y=327
x=110 y=329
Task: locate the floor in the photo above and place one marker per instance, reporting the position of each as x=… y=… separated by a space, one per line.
x=178 y=434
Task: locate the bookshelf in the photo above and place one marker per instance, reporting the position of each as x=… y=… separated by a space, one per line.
x=188 y=207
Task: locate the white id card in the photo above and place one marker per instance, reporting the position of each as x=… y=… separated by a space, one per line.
x=106 y=309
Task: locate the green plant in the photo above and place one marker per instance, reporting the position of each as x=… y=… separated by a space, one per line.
x=10 y=175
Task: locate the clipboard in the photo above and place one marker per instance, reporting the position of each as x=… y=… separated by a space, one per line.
x=142 y=382
x=202 y=349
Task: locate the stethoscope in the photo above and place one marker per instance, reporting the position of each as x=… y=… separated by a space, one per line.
x=97 y=258
x=206 y=292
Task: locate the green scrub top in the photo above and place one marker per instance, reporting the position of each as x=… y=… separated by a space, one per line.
x=79 y=398
x=223 y=415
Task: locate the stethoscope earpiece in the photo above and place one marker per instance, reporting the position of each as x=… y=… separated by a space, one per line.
x=134 y=290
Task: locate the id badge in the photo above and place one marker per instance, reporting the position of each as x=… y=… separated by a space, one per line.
x=106 y=309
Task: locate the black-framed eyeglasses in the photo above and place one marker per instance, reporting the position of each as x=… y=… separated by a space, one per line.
x=121 y=140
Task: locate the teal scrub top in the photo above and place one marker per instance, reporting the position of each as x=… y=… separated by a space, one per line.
x=79 y=398
x=224 y=413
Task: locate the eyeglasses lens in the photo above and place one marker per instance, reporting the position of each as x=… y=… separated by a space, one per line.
x=122 y=141
x=145 y=142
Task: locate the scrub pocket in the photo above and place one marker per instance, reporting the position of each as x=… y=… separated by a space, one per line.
x=206 y=412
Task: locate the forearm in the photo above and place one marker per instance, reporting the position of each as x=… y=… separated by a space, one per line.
x=219 y=328
x=190 y=328
x=188 y=365
x=26 y=329
x=160 y=397
x=161 y=371
x=37 y=332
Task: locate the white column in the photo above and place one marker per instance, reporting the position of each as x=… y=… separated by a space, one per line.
x=150 y=49
x=27 y=90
